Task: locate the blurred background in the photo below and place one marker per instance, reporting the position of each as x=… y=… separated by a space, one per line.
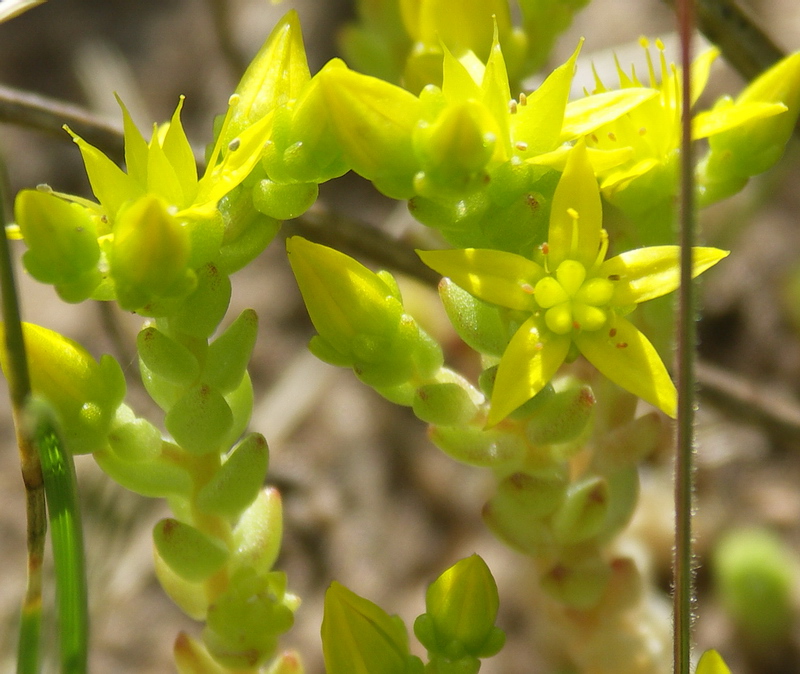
x=368 y=500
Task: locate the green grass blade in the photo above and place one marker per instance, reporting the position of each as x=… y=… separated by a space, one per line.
x=67 y=538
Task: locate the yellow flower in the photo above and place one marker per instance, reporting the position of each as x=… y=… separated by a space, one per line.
x=574 y=298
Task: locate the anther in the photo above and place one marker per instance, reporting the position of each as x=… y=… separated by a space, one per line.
x=234 y=99
x=576 y=325
x=521 y=146
x=642 y=131
x=527 y=288
x=234 y=145
x=512 y=107
x=622 y=345
x=594 y=138
x=612 y=332
x=523 y=99
x=545 y=248
x=611 y=136
x=613 y=277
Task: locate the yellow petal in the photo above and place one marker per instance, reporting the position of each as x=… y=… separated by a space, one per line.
x=646 y=273
x=531 y=360
x=624 y=355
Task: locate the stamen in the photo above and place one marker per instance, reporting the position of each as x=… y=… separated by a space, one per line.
x=523 y=99
x=512 y=107
x=651 y=70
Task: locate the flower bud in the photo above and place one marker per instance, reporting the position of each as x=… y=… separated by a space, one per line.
x=62 y=243
x=189 y=552
x=755 y=574
x=310 y=150
x=84 y=393
x=149 y=255
x=274 y=78
x=461 y=608
x=238 y=481
x=358 y=637
x=373 y=121
x=351 y=307
x=711 y=662
x=753 y=147
x=458 y=145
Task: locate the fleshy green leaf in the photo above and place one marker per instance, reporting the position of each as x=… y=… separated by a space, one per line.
x=531 y=360
x=624 y=355
x=646 y=273
x=190 y=553
x=494 y=276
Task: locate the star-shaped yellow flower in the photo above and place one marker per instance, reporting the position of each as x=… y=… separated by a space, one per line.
x=574 y=297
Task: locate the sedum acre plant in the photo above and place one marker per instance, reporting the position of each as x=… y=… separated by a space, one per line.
x=536 y=279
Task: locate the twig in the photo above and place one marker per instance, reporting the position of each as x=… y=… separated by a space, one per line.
x=744 y=45
x=221 y=12
x=34 y=111
x=751 y=402
x=359 y=238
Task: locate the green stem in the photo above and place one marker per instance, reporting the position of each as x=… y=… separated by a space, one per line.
x=19 y=389
x=67 y=538
x=682 y=592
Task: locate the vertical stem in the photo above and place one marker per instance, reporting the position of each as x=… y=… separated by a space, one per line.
x=682 y=591
x=19 y=389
